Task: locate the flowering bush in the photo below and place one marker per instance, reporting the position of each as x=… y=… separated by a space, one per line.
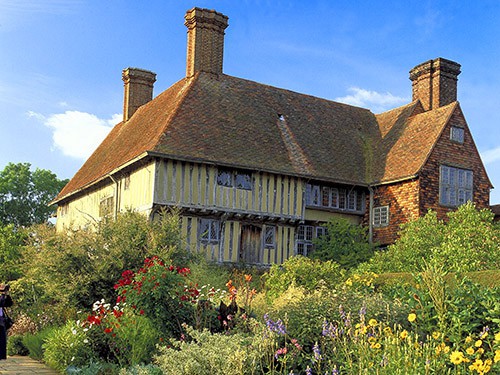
x=119 y=334
x=159 y=291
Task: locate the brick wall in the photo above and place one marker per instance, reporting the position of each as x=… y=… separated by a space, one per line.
x=402 y=199
x=460 y=155
x=410 y=199
x=205 y=45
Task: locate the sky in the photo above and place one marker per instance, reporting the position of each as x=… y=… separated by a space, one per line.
x=61 y=61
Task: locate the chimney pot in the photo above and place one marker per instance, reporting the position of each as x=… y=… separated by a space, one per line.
x=434 y=82
x=138 y=89
x=205 y=45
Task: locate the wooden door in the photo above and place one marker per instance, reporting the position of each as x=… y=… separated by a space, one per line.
x=251 y=244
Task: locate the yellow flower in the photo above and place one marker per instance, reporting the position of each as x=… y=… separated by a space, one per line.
x=470 y=350
x=457 y=357
x=388 y=330
x=478 y=343
x=403 y=335
x=497 y=337
x=372 y=322
x=468 y=339
x=436 y=335
x=497 y=356
x=412 y=317
x=372 y=340
x=480 y=351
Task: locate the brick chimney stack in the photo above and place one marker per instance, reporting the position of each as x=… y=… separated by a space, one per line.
x=205 y=45
x=434 y=82
x=138 y=85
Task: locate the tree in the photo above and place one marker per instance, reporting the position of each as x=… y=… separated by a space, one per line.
x=24 y=195
x=345 y=243
x=11 y=241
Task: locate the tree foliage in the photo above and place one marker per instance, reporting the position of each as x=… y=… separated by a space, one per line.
x=73 y=270
x=11 y=241
x=345 y=243
x=467 y=241
x=24 y=195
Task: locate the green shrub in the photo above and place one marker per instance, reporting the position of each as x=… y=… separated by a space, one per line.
x=142 y=370
x=94 y=368
x=34 y=342
x=208 y=354
x=345 y=243
x=15 y=346
x=467 y=241
x=67 y=346
x=70 y=271
x=302 y=272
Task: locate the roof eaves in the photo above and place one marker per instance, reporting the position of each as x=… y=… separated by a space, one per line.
x=102 y=178
x=257 y=169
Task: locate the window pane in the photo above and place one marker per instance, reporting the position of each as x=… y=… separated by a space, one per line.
x=359 y=202
x=342 y=199
x=325 y=197
x=300 y=232
x=300 y=249
x=243 y=181
x=224 y=178
x=309 y=233
x=269 y=236
x=445 y=174
x=320 y=231
x=468 y=179
x=204 y=229
x=316 y=199
x=334 y=198
x=351 y=201
x=457 y=134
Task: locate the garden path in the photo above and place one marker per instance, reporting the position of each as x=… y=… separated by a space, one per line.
x=18 y=365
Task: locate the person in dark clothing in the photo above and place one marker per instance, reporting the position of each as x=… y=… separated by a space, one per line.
x=5 y=301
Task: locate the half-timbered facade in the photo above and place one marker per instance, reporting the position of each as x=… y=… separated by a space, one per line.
x=255 y=171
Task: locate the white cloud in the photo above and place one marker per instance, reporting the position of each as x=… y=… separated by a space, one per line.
x=373 y=100
x=77 y=134
x=491 y=156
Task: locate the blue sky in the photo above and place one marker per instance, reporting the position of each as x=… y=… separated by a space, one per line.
x=61 y=61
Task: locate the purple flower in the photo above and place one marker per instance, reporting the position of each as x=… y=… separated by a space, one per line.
x=317 y=352
x=277 y=326
x=308 y=371
x=362 y=312
x=329 y=330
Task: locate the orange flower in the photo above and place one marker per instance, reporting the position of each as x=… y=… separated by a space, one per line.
x=248 y=278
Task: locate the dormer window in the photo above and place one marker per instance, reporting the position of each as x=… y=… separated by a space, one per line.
x=457 y=134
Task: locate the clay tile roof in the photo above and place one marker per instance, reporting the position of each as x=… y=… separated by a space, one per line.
x=408 y=137
x=230 y=121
